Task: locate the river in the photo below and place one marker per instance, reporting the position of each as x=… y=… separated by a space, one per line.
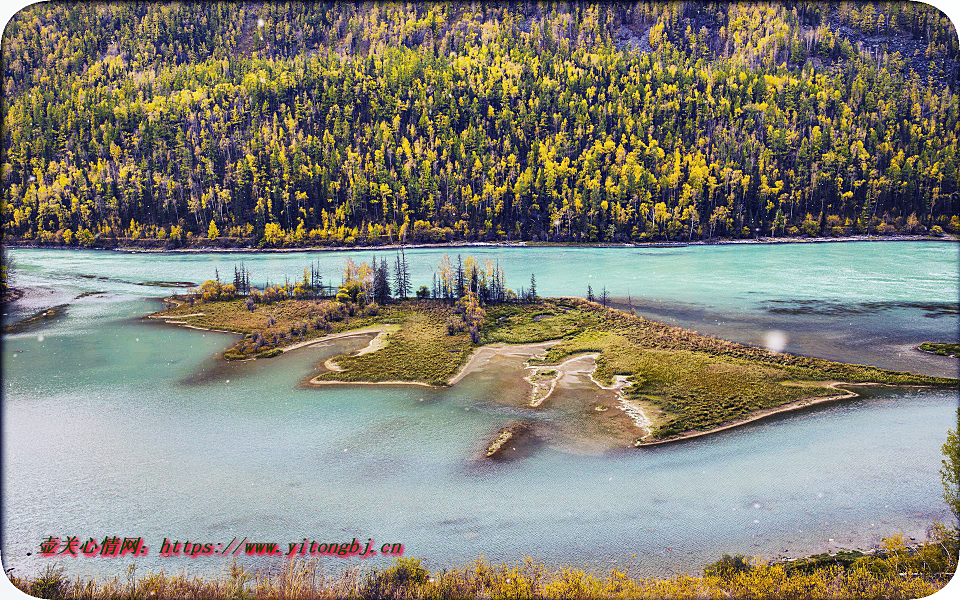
x=117 y=426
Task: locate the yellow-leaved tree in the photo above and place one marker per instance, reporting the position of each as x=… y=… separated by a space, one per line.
x=950 y=471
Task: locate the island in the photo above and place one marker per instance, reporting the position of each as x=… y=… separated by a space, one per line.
x=940 y=349
x=652 y=383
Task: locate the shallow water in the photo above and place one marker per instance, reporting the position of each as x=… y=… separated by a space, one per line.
x=117 y=426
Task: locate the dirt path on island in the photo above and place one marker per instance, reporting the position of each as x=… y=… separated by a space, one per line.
x=375 y=344
x=483 y=354
x=545 y=378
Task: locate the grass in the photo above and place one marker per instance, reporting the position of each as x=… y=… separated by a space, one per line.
x=276 y=325
x=421 y=350
x=696 y=382
x=896 y=572
x=530 y=323
x=941 y=349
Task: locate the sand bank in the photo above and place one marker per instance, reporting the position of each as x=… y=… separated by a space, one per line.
x=482 y=356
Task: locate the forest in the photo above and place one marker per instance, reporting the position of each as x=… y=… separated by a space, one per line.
x=290 y=124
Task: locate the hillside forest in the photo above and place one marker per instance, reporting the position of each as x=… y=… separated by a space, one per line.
x=290 y=124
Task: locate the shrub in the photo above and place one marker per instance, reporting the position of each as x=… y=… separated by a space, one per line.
x=810 y=227
x=455 y=325
x=727 y=567
x=273 y=294
x=51 y=584
x=399 y=580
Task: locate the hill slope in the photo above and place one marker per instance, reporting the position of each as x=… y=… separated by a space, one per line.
x=293 y=124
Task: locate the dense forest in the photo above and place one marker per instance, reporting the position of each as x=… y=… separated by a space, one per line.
x=283 y=124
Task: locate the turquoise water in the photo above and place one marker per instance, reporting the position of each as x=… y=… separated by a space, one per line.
x=117 y=426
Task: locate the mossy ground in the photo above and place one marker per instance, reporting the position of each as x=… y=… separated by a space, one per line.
x=421 y=350
x=696 y=382
x=941 y=349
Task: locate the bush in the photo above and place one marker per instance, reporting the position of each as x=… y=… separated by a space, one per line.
x=396 y=581
x=727 y=567
x=810 y=227
x=334 y=313
x=455 y=325
x=51 y=584
x=273 y=294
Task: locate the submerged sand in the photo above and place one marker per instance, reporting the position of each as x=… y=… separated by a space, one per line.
x=482 y=355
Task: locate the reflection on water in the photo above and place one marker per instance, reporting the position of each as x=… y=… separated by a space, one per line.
x=822 y=307
x=117 y=426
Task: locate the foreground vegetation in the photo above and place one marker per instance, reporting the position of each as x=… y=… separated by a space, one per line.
x=279 y=124
x=894 y=572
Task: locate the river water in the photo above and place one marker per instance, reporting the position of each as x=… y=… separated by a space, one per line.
x=117 y=426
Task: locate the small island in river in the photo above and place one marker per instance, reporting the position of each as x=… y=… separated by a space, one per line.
x=649 y=382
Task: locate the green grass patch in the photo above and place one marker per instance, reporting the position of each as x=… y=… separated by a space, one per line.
x=421 y=350
x=941 y=349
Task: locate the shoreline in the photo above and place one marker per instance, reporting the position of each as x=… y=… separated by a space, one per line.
x=767 y=413
x=378 y=329
x=500 y=244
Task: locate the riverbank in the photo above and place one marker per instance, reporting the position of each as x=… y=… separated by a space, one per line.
x=761 y=415
x=201 y=246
